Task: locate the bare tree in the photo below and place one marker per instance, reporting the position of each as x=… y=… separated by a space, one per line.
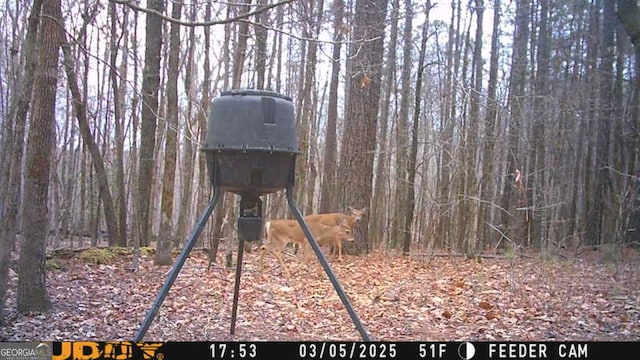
x=150 y=86
x=467 y=211
x=327 y=200
x=536 y=195
x=18 y=115
x=32 y=291
x=518 y=76
x=118 y=22
x=308 y=112
x=487 y=190
x=445 y=207
x=260 y=30
x=598 y=220
x=629 y=15
x=380 y=206
x=96 y=155
x=413 y=153
x=188 y=155
x=166 y=236
x=402 y=132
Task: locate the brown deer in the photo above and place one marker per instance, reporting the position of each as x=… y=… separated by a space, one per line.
x=338 y=219
x=279 y=233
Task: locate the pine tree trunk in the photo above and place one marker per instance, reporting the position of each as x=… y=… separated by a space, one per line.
x=362 y=111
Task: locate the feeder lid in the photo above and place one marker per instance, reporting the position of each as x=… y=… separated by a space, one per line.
x=255 y=93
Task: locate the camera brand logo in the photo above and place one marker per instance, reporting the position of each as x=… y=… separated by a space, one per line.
x=116 y=350
x=25 y=351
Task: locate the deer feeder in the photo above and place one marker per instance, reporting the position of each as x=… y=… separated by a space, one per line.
x=250 y=150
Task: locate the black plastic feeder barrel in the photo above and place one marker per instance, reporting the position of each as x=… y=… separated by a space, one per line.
x=251 y=142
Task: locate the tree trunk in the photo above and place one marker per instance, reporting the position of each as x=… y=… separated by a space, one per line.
x=413 y=154
x=118 y=96
x=261 y=45
x=362 y=111
x=204 y=181
x=240 y=52
x=237 y=69
x=19 y=109
x=446 y=207
x=97 y=160
x=515 y=227
x=167 y=232
x=402 y=133
x=536 y=195
x=629 y=15
x=467 y=214
x=308 y=113
x=487 y=190
x=150 y=86
x=598 y=221
x=301 y=103
x=327 y=198
x=378 y=219
x=188 y=157
x=32 y=291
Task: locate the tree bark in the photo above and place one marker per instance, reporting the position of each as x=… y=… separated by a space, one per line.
x=261 y=45
x=327 y=198
x=413 y=154
x=97 y=160
x=190 y=140
x=599 y=219
x=32 y=291
x=19 y=110
x=379 y=219
x=487 y=191
x=515 y=227
x=362 y=111
x=167 y=231
x=536 y=193
x=118 y=96
x=445 y=207
x=150 y=87
x=402 y=133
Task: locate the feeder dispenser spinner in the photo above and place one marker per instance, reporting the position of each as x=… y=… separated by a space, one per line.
x=250 y=150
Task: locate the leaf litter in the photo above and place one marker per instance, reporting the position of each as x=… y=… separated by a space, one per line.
x=437 y=298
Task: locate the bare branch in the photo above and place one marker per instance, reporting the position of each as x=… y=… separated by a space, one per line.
x=259 y=10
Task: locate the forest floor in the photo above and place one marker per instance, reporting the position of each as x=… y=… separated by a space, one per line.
x=430 y=298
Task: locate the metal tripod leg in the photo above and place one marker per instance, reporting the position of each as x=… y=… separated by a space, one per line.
x=325 y=265
x=236 y=288
x=177 y=266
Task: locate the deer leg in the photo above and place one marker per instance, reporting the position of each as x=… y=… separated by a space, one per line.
x=285 y=271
